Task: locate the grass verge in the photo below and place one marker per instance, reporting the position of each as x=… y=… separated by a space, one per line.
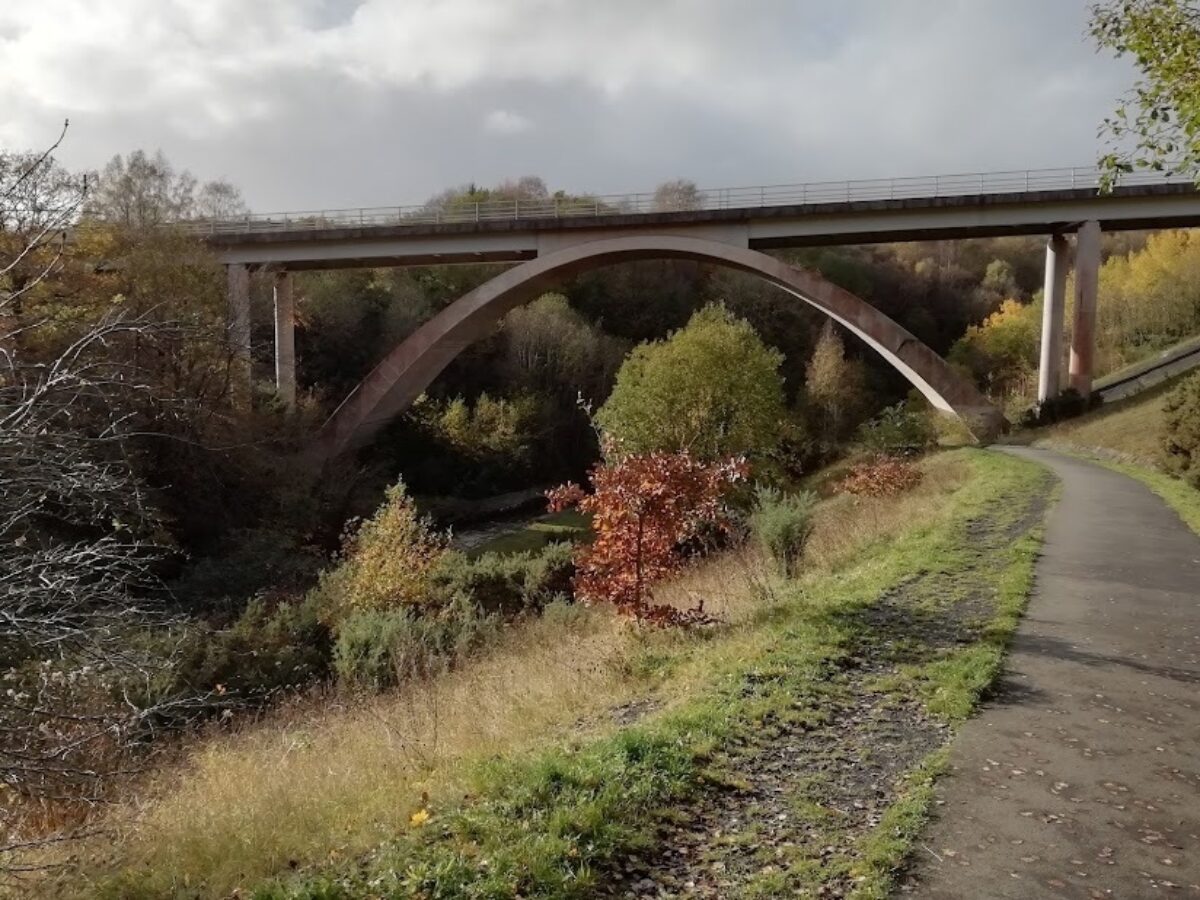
x=529 y=772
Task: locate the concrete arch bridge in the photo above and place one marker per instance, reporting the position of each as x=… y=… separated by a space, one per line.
x=411 y=367
x=553 y=240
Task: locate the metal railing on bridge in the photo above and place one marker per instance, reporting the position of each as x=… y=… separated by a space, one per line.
x=755 y=197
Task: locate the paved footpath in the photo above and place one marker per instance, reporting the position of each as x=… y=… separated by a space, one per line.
x=1081 y=778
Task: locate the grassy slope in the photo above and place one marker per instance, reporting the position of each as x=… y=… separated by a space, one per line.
x=1130 y=430
x=1128 y=436
x=1143 y=358
x=552 y=788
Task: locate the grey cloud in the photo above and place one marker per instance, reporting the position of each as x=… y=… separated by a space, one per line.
x=327 y=103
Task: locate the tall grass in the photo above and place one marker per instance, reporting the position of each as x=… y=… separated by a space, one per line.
x=332 y=778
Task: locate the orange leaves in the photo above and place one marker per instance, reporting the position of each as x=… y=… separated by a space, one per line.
x=644 y=508
x=883 y=476
x=565 y=496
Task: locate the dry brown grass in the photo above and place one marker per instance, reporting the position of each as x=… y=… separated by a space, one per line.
x=1131 y=431
x=845 y=525
x=334 y=778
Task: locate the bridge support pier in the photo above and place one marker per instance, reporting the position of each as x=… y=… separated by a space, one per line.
x=285 y=340
x=1053 y=314
x=237 y=332
x=1087 y=281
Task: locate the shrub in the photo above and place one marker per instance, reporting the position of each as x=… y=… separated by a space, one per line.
x=249 y=561
x=882 y=476
x=265 y=651
x=898 y=431
x=387 y=562
x=645 y=509
x=781 y=524
x=1067 y=405
x=712 y=388
x=512 y=583
x=1181 y=443
x=380 y=648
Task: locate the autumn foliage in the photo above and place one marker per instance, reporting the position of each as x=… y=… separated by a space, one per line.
x=881 y=476
x=645 y=508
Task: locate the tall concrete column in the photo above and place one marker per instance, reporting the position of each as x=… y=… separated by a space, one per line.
x=285 y=340
x=1087 y=281
x=237 y=330
x=1053 y=311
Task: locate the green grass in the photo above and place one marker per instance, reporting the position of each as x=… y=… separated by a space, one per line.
x=1147 y=355
x=955 y=684
x=891 y=840
x=1127 y=437
x=541 y=824
x=545 y=819
x=1129 y=430
x=568 y=525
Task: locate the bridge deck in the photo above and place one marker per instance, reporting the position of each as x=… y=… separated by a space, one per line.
x=341 y=243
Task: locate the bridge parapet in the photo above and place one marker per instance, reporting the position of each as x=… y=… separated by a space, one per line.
x=707 y=200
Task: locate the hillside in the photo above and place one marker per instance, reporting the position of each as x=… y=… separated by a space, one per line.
x=788 y=747
x=1126 y=431
x=1127 y=436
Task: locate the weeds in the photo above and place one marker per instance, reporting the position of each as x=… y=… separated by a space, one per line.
x=527 y=780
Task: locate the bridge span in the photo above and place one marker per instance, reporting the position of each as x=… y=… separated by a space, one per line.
x=1058 y=203
x=940 y=207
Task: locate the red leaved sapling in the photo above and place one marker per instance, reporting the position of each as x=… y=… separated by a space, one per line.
x=645 y=508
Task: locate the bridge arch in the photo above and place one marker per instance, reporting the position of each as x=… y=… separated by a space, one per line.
x=393 y=385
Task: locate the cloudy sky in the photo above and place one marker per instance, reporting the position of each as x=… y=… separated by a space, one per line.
x=310 y=104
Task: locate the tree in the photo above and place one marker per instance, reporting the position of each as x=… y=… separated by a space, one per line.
x=78 y=537
x=679 y=194
x=1161 y=117
x=550 y=348
x=1001 y=354
x=712 y=389
x=140 y=191
x=644 y=508
x=1181 y=438
x=464 y=199
x=834 y=384
x=1151 y=298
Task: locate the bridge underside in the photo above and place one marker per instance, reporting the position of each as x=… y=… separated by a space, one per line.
x=732 y=236
x=409 y=369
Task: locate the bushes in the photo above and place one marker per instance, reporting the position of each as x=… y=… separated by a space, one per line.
x=645 y=509
x=1067 y=405
x=781 y=524
x=1181 y=443
x=266 y=650
x=883 y=476
x=468 y=600
x=512 y=583
x=898 y=431
x=250 y=560
x=388 y=562
x=399 y=603
x=379 y=648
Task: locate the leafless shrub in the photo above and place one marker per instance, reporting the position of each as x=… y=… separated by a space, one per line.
x=84 y=640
